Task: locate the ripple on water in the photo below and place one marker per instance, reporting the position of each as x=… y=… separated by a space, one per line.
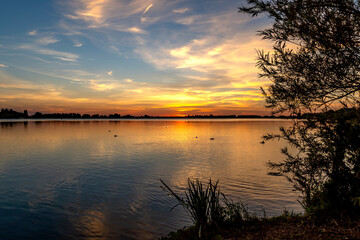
x=74 y=180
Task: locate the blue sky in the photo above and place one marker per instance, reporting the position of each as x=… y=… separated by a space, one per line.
x=136 y=57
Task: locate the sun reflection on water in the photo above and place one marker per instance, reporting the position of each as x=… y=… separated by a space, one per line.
x=75 y=178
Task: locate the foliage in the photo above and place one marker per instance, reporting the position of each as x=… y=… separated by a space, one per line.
x=326 y=164
x=202 y=204
x=315 y=69
x=235 y=213
x=316 y=53
x=207 y=206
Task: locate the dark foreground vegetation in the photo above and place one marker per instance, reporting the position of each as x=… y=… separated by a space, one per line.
x=314 y=68
x=217 y=217
x=284 y=227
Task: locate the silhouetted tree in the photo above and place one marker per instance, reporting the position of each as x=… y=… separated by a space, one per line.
x=315 y=67
x=9 y=113
x=38 y=115
x=25 y=114
x=316 y=54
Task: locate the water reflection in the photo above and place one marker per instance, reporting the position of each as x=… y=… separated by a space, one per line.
x=12 y=124
x=74 y=179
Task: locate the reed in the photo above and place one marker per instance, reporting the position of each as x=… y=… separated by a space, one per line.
x=202 y=203
x=207 y=206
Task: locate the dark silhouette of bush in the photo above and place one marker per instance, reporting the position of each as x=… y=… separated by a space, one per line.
x=315 y=73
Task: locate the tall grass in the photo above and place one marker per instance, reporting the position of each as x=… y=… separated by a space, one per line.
x=202 y=203
x=207 y=206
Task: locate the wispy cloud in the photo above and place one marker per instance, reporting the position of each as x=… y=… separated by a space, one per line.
x=123 y=16
x=47 y=40
x=65 y=56
x=220 y=45
x=181 y=10
x=218 y=62
x=147 y=9
x=135 y=30
x=178 y=56
x=77 y=43
x=188 y=20
x=115 y=49
x=143 y=19
x=102 y=13
x=3 y=65
x=66 y=59
x=32 y=33
x=102 y=86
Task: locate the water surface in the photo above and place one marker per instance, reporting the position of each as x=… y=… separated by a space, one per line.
x=76 y=180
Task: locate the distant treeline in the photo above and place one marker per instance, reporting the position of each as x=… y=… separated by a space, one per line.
x=11 y=114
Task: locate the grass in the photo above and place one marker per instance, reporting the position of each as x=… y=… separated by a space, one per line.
x=208 y=208
x=216 y=217
x=202 y=203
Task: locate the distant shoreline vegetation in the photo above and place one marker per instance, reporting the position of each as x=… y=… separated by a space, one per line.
x=11 y=114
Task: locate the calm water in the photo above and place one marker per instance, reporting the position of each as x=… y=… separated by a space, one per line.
x=75 y=180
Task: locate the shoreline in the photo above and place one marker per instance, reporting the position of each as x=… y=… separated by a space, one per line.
x=283 y=227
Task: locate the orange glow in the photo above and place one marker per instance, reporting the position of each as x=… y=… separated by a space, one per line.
x=209 y=68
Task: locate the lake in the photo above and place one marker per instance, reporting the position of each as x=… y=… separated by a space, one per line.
x=75 y=179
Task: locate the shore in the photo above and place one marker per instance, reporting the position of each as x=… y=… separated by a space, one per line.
x=281 y=228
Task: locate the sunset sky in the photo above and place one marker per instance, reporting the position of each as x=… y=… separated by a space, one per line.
x=156 y=57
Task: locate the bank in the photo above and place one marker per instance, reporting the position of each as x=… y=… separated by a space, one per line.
x=284 y=227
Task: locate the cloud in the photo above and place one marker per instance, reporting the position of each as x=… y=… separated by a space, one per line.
x=135 y=30
x=70 y=28
x=32 y=33
x=10 y=82
x=216 y=64
x=122 y=16
x=202 y=61
x=102 y=13
x=188 y=20
x=147 y=9
x=115 y=49
x=92 y=94
x=3 y=65
x=77 y=43
x=101 y=86
x=65 y=56
x=142 y=19
x=219 y=45
x=66 y=59
x=181 y=10
x=47 y=40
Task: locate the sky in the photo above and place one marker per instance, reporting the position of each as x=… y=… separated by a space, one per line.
x=155 y=57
